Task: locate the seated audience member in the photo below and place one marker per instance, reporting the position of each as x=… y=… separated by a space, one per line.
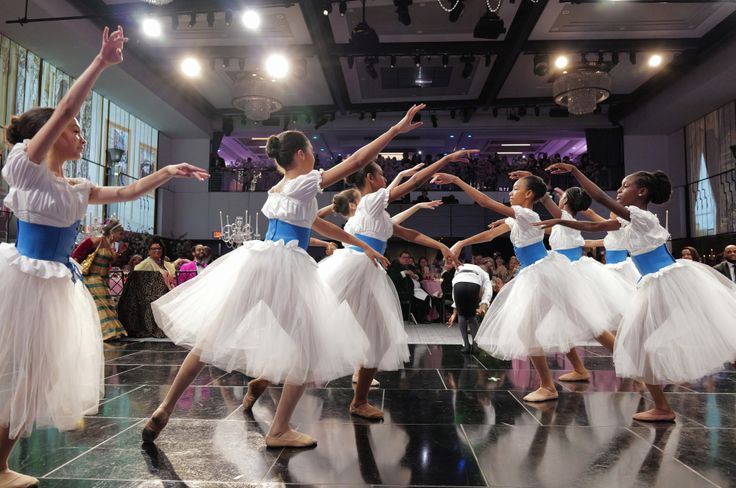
x=729 y=262
x=191 y=269
x=690 y=253
x=156 y=262
x=400 y=274
x=134 y=261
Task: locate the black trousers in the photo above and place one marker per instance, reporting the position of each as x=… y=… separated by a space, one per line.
x=467 y=298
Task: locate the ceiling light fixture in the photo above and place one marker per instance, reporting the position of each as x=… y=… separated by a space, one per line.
x=228 y=17
x=343 y=7
x=402 y=10
x=445 y=60
x=364 y=36
x=251 y=19
x=277 y=66
x=151 y=27
x=489 y=26
x=192 y=20
x=392 y=61
x=455 y=11
x=561 y=62
x=210 y=19
x=468 y=66
x=433 y=118
x=190 y=67
x=417 y=61
x=370 y=67
x=327 y=7
x=541 y=64
x=655 y=60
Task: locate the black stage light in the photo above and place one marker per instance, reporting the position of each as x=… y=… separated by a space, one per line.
x=417 y=61
x=632 y=57
x=521 y=111
x=373 y=116
x=228 y=17
x=433 y=118
x=210 y=19
x=488 y=60
x=393 y=61
x=351 y=62
x=536 y=111
x=361 y=116
x=445 y=60
x=370 y=67
x=495 y=111
x=452 y=113
x=192 y=20
x=343 y=7
x=402 y=10
x=467 y=67
x=364 y=36
x=541 y=64
x=490 y=26
x=327 y=7
x=457 y=11
x=322 y=121
x=174 y=21
x=513 y=117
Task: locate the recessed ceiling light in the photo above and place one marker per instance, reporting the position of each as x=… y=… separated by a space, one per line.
x=277 y=66
x=655 y=60
x=515 y=144
x=251 y=19
x=561 y=62
x=190 y=67
x=151 y=27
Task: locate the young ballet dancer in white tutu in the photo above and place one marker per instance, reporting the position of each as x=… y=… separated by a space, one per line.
x=262 y=309
x=533 y=314
x=679 y=324
x=617 y=257
x=51 y=361
x=368 y=290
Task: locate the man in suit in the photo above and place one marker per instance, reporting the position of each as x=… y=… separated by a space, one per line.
x=401 y=275
x=729 y=262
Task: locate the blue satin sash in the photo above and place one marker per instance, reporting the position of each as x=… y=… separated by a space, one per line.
x=615 y=256
x=653 y=261
x=528 y=255
x=280 y=230
x=573 y=254
x=377 y=244
x=47 y=243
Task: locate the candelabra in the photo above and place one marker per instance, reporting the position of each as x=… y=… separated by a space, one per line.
x=235 y=234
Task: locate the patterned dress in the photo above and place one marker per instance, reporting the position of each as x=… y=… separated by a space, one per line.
x=96 y=283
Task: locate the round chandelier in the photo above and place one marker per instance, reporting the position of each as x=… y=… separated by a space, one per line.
x=257 y=107
x=581 y=90
x=158 y=2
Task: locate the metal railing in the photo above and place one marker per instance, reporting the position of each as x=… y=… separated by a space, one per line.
x=711 y=204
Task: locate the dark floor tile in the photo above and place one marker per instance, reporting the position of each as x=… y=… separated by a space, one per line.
x=503 y=379
x=47 y=449
x=453 y=407
x=187 y=450
x=167 y=358
x=380 y=454
x=198 y=402
x=574 y=457
x=159 y=375
x=709 y=409
x=115 y=353
x=113 y=369
x=607 y=381
x=130 y=345
x=405 y=379
x=710 y=452
x=436 y=356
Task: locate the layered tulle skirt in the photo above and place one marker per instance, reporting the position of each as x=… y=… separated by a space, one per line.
x=263 y=310
x=51 y=359
x=613 y=290
x=372 y=297
x=679 y=326
x=625 y=269
x=549 y=307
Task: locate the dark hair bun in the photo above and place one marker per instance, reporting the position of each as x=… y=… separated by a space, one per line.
x=662 y=188
x=578 y=199
x=341 y=201
x=12 y=132
x=536 y=185
x=273 y=146
x=27 y=124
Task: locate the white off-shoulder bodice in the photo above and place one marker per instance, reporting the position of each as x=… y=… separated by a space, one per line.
x=616 y=240
x=38 y=196
x=644 y=232
x=296 y=203
x=563 y=237
x=522 y=232
x=371 y=218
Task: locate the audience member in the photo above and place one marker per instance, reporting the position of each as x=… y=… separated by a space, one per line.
x=729 y=261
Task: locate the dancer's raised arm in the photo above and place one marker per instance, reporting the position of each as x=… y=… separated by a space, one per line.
x=402 y=175
x=400 y=217
x=425 y=174
x=580 y=224
x=114 y=194
x=111 y=53
x=417 y=237
x=368 y=153
x=595 y=192
x=328 y=229
x=480 y=198
x=485 y=236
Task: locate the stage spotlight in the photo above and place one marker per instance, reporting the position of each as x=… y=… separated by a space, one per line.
x=151 y=27
x=393 y=61
x=457 y=11
x=417 y=61
x=351 y=62
x=192 y=20
x=327 y=7
x=363 y=35
x=433 y=118
x=489 y=26
x=225 y=63
x=174 y=22
x=228 y=17
x=241 y=64
x=251 y=19
x=467 y=67
x=373 y=116
x=541 y=64
x=277 y=66
x=343 y=7
x=402 y=10
x=452 y=114
x=655 y=60
x=190 y=67
x=561 y=62
x=210 y=19
x=445 y=60
x=370 y=67
x=632 y=57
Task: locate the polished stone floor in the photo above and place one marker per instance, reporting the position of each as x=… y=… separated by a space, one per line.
x=451 y=420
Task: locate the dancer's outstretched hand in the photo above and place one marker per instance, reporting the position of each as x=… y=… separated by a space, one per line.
x=495 y=224
x=111 y=51
x=561 y=168
x=450 y=258
x=462 y=155
x=377 y=258
x=407 y=173
x=429 y=205
x=457 y=248
x=547 y=224
x=443 y=179
x=559 y=193
x=519 y=174
x=186 y=170
x=406 y=124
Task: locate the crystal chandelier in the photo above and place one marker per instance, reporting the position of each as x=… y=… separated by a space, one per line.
x=158 y=2
x=235 y=234
x=581 y=90
x=256 y=100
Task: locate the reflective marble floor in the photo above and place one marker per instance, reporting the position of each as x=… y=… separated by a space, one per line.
x=451 y=420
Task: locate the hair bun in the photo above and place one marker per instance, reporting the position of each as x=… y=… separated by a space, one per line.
x=273 y=146
x=12 y=134
x=662 y=189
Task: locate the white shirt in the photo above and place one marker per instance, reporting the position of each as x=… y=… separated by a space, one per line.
x=522 y=232
x=296 y=203
x=470 y=273
x=563 y=237
x=644 y=232
x=731 y=270
x=371 y=218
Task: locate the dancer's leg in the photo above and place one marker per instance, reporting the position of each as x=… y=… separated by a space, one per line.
x=188 y=371
x=606 y=340
x=9 y=478
x=580 y=372
x=256 y=388
x=280 y=434
x=473 y=323
x=463 y=325
x=662 y=411
x=547 y=390
x=360 y=406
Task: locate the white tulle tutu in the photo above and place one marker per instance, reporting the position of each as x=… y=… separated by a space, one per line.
x=613 y=291
x=679 y=325
x=547 y=308
x=626 y=269
x=373 y=300
x=51 y=360
x=263 y=310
